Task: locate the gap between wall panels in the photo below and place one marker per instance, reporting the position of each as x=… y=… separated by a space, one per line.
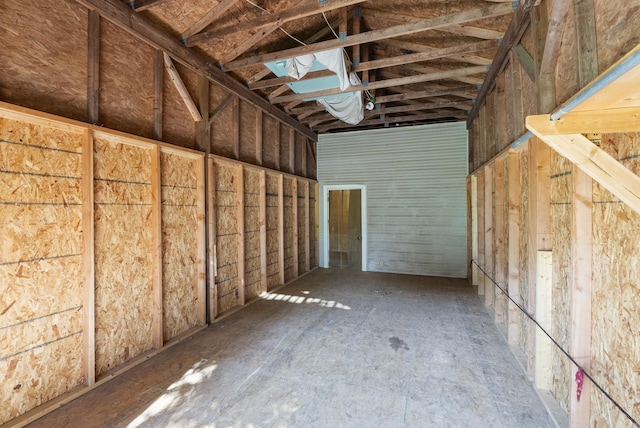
x=105 y=256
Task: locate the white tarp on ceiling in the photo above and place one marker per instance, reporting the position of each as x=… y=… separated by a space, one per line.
x=349 y=109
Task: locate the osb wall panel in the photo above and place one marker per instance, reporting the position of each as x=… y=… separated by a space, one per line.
x=616 y=23
x=252 y=259
x=123 y=256
x=180 y=258
x=178 y=126
x=616 y=292
x=43 y=56
x=222 y=130
x=302 y=254
x=288 y=229
x=41 y=278
x=524 y=246
x=561 y=226
x=126 y=81
x=226 y=235
x=270 y=142
x=566 y=70
x=273 y=241
x=248 y=131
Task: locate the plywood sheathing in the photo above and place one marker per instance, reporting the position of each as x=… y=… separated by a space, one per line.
x=181 y=258
x=615 y=349
x=126 y=91
x=44 y=66
x=123 y=243
x=40 y=196
x=615 y=24
x=273 y=243
x=270 y=142
x=248 y=132
x=561 y=226
x=290 y=230
x=252 y=254
x=226 y=197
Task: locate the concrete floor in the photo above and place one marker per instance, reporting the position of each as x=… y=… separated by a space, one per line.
x=333 y=349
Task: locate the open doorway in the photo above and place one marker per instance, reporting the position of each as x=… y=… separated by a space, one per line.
x=345 y=235
x=345 y=229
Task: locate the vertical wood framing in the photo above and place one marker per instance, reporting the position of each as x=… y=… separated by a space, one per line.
x=303 y=158
x=357 y=15
x=203 y=135
x=263 y=231
x=307 y=246
x=481 y=235
x=292 y=150
x=294 y=210
x=240 y=229
x=93 y=66
x=539 y=228
x=513 y=324
x=544 y=306
x=469 y=230
x=88 y=263
x=213 y=264
x=475 y=273
x=259 y=142
x=281 y=227
x=581 y=254
x=499 y=231
x=156 y=221
x=201 y=243
x=488 y=233
x=158 y=93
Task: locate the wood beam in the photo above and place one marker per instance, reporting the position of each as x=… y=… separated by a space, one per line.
x=499 y=230
x=93 y=67
x=259 y=133
x=302 y=10
x=263 y=231
x=596 y=163
x=545 y=86
x=472 y=80
x=583 y=122
x=489 y=259
x=155 y=178
x=204 y=128
x=343 y=17
x=518 y=25
x=281 y=228
x=140 y=5
x=240 y=231
x=248 y=43
x=499 y=9
x=158 y=93
x=356 y=23
x=220 y=107
x=88 y=262
x=292 y=151
x=182 y=89
x=435 y=92
x=557 y=22
x=126 y=19
x=465 y=30
x=212 y=236
x=294 y=211
x=443 y=74
x=419 y=47
x=525 y=59
x=208 y=18
x=235 y=138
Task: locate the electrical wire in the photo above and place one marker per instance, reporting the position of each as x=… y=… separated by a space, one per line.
x=587 y=375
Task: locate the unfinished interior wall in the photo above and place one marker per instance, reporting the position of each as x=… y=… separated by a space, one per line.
x=252 y=231
x=123 y=251
x=290 y=229
x=599 y=310
x=615 y=319
x=227 y=197
x=183 y=273
x=82 y=290
x=41 y=285
x=274 y=272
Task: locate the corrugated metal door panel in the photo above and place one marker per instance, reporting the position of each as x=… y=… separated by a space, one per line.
x=416 y=201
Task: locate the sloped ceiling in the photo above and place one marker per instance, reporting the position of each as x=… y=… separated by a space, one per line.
x=423 y=60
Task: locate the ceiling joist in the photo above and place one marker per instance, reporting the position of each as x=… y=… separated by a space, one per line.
x=494 y=10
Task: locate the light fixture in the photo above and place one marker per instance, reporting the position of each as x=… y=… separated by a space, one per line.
x=370 y=103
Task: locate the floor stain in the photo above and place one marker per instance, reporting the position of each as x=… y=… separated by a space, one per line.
x=397 y=343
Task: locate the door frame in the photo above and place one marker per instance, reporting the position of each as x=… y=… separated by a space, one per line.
x=363 y=219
